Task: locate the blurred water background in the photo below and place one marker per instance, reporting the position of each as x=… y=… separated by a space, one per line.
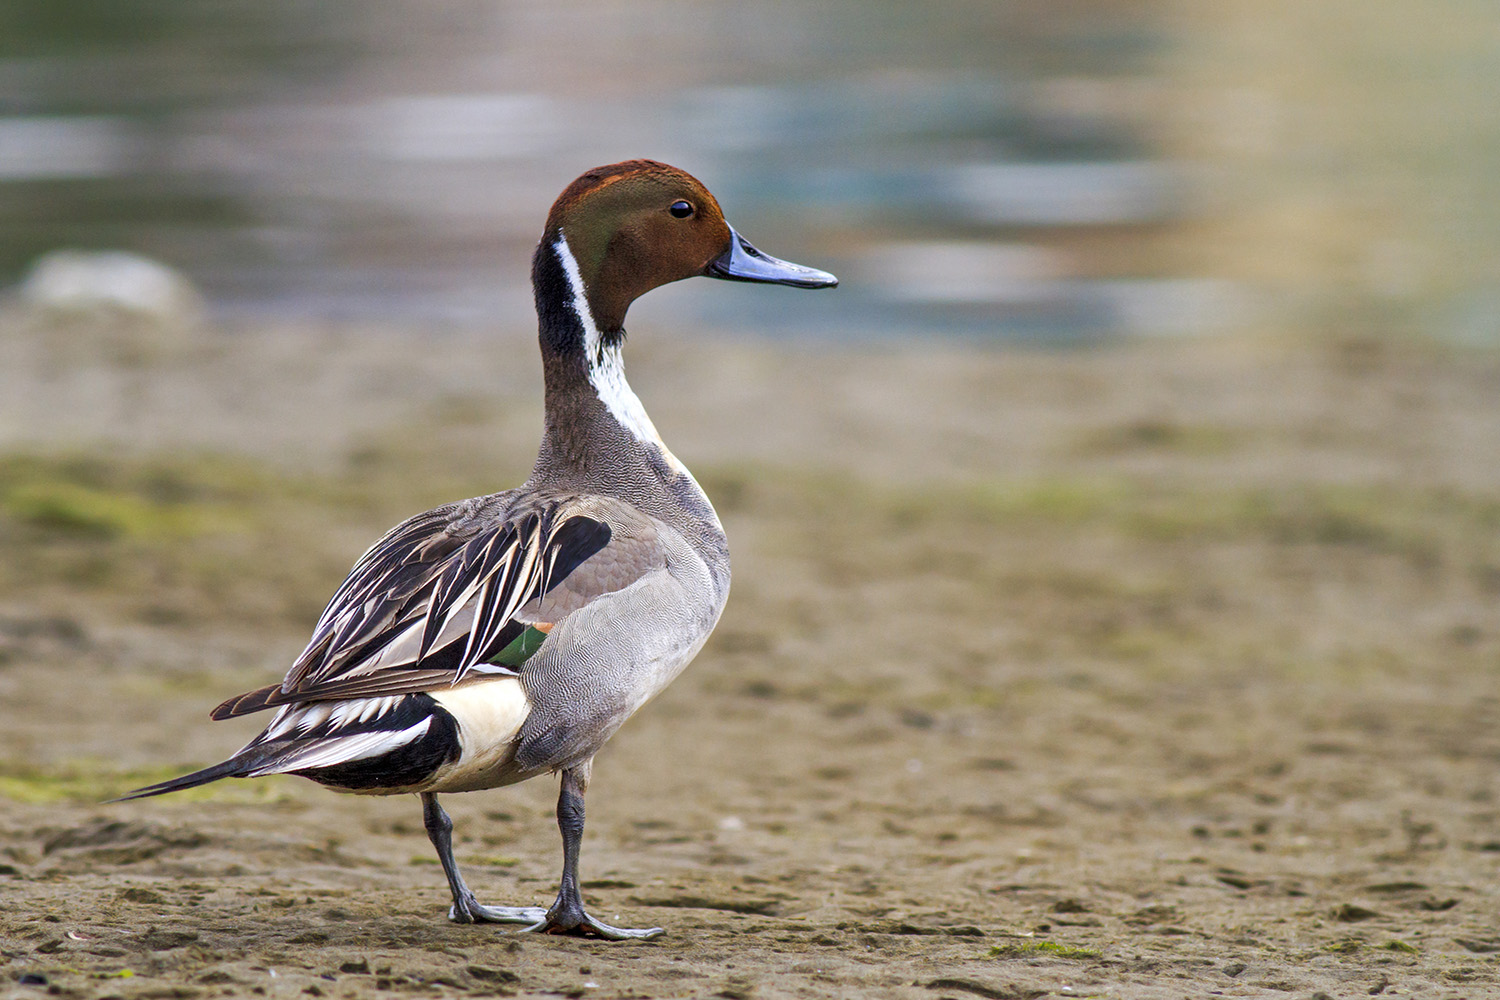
x=1057 y=170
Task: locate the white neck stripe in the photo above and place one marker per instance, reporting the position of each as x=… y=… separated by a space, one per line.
x=605 y=364
x=606 y=369
x=580 y=302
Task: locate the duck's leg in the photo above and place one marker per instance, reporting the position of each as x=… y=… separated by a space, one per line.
x=466 y=909
x=567 y=915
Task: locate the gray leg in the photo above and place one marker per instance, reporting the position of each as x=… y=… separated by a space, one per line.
x=567 y=915
x=466 y=909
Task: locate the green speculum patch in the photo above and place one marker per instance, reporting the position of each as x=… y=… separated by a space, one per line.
x=520 y=648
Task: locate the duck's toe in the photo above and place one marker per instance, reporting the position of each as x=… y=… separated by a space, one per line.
x=583 y=925
x=477 y=913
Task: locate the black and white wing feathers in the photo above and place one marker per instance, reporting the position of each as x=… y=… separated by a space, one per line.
x=435 y=600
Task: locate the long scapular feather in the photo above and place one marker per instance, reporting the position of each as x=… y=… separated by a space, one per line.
x=516 y=587
x=422 y=609
x=442 y=591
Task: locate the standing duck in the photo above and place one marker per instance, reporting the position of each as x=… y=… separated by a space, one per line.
x=495 y=639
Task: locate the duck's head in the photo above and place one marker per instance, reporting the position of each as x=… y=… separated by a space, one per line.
x=629 y=227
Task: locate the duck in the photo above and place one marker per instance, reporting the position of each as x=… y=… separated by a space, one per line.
x=499 y=638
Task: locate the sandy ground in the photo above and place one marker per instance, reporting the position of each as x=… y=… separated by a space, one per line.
x=1164 y=671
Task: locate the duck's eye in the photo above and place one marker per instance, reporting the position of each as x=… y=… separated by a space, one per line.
x=680 y=210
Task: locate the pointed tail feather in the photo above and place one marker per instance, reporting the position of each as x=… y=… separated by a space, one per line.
x=235 y=767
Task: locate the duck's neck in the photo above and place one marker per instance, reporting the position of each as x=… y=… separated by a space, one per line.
x=597 y=429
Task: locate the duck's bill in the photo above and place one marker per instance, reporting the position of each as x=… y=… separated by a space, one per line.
x=742 y=262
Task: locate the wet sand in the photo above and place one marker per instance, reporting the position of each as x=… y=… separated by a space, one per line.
x=1157 y=671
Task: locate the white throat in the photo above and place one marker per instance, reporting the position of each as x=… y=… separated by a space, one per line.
x=607 y=366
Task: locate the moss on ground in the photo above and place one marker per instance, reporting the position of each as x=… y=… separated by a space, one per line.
x=174 y=539
x=1043 y=949
x=93 y=781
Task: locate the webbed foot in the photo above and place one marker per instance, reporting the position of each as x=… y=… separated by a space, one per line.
x=577 y=923
x=474 y=912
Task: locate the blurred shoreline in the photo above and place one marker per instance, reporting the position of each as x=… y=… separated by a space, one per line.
x=1068 y=173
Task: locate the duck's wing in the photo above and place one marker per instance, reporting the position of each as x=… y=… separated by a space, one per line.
x=463 y=590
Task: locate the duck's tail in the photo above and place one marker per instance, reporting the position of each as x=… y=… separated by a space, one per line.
x=239 y=766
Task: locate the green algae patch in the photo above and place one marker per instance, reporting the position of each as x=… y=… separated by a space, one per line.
x=1043 y=949
x=96 y=782
x=98 y=497
x=1192 y=440
x=72 y=509
x=173 y=538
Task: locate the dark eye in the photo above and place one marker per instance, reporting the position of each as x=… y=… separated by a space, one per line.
x=680 y=210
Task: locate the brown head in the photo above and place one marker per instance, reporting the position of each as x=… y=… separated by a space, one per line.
x=633 y=226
